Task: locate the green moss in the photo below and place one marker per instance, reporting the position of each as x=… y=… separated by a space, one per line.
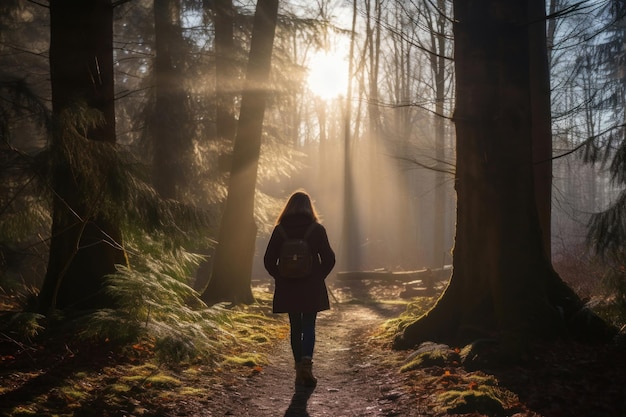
x=191 y=391
x=119 y=388
x=158 y=380
x=246 y=359
x=414 y=309
x=23 y=411
x=472 y=401
x=432 y=358
x=73 y=393
x=483 y=381
x=162 y=380
x=144 y=369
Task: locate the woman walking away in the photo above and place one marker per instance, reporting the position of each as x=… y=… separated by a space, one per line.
x=299 y=258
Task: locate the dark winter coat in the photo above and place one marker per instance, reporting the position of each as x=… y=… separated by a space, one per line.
x=302 y=295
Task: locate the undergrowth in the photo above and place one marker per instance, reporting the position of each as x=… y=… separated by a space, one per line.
x=414 y=310
x=156 y=309
x=176 y=352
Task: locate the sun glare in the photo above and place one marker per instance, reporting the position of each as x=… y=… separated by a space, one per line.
x=327 y=75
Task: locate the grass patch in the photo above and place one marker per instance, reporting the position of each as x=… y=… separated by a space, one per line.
x=119 y=388
x=246 y=359
x=460 y=393
x=471 y=401
x=254 y=328
x=433 y=358
x=414 y=309
x=23 y=411
x=73 y=393
x=191 y=391
x=159 y=380
x=163 y=381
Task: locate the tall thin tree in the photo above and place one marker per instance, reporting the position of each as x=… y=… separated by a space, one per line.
x=232 y=267
x=171 y=138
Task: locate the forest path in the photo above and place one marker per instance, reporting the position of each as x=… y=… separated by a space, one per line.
x=353 y=380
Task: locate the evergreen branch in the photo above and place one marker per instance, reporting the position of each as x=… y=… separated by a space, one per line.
x=607 y=230
x=586 y=142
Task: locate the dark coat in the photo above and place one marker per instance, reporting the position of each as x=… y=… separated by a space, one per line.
x=308 y=294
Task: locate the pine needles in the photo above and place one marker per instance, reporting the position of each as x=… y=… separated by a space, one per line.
x=157 y=304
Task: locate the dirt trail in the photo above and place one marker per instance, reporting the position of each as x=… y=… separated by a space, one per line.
x=351 y=380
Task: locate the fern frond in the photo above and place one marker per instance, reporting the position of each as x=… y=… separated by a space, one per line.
x=156 y=302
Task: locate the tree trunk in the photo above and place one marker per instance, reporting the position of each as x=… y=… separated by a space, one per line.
x=170 y=136
x=350 y=245
x=503 y=283
x=85 y=246
x=226 y=91
x=438 y=69
x=542 y=119
x=225 y=72
x=232 y=267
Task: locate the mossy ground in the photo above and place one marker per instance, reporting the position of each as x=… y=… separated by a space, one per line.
x=358 y=373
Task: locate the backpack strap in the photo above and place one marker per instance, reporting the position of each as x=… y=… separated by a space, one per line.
x=282 y=231
x=308 y=232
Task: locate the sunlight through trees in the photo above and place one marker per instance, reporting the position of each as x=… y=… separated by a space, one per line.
x=131 y=122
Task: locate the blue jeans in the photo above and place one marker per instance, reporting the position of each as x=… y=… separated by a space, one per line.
x=302 y=334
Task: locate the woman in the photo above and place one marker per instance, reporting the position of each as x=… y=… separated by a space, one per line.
x=301 y=297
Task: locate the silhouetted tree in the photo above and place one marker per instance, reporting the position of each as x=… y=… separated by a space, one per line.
x=503 y=284
x=607 y=228
x=85 y=243
x=171 y=138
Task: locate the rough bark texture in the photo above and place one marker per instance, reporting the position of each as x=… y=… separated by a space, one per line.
x=232 y=268
x=541 y=118
x=503 y=285
x=84 y=246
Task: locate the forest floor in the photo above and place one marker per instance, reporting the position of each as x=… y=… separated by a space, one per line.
x=358 y=376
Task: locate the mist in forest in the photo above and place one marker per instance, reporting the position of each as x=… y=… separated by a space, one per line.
x=396 y=137
x=391 y=224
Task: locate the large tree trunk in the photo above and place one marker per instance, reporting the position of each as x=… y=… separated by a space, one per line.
x=85 y=246
x=503 y=283
x=232 y=268
x=542 y=120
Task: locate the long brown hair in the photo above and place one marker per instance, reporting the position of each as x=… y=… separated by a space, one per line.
x=299 y=203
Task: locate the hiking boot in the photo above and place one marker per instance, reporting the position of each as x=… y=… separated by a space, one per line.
x=299 y=374
x=306 y=373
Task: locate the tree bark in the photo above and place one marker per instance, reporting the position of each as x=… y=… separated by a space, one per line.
x=503 y=285
x=225 y=69
x=438 y=69
x=350 y=245
x=232 y=268
x=542 y=119
x=226 y=91
x=85 y=246
x=170 y=136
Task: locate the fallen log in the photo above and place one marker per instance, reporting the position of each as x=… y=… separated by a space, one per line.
x=425 y=276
